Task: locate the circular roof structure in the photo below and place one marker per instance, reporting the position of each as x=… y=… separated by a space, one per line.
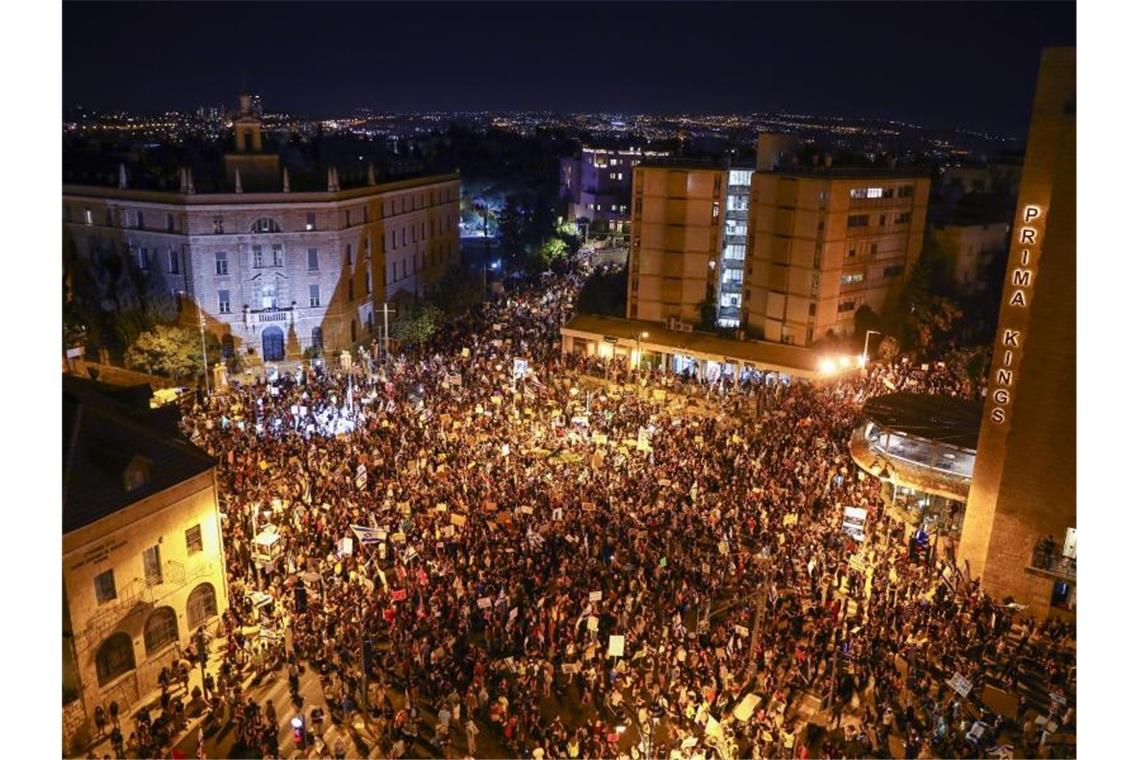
x=943 y=419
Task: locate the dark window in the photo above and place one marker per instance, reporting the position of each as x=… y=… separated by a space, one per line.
x=170 y=222
x=893 y=271
x=314 y=260
x=152 y=566
x=161 y=629
x=278 y=255
x=105 y=586
x=173 y=261
x=858 y=220
x=116 y=656
x=846 y=306
x=351 y=290
x=194 y=539
x=201 y=605
x=265 y=225
x=221 y=264
x=314 y=295
x=218 y=225
x=352 y=330
x=348 y=255
x=906 y=191
x=882 y=220
x=903 y=218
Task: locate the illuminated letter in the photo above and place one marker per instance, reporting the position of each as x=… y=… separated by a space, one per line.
x=1004 y=377
x=1008 y=357
x=1028 y=236
x=1032 y=212
x=1010 y=338
x=1018 y=298
x=1021 y=277
x=1024 y=257
x=1001 y=396
x=997 y=415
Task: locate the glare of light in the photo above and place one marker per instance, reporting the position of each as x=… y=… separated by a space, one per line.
x=644 y=334
x=296 y=722
x=861 y=360
x=844 y=362
x=827 y=366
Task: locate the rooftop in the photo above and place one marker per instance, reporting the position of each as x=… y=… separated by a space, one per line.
x=942 y=419
x=792 y=360
x=105 y=433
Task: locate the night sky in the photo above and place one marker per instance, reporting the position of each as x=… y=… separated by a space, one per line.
x=958 y=64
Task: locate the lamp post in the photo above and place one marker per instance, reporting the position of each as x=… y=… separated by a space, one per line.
x=639 y=337
x=866 y=339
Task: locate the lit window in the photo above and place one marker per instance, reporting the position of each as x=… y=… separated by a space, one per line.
x=265 y=225
x=874 y=192
x=257 y=257
x=851 y=279
x=87 y=218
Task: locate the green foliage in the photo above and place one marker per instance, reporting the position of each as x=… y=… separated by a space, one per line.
x=921 y=315
x=888 y=349
x=171 y=350
x=552 y=251
x=416 y=324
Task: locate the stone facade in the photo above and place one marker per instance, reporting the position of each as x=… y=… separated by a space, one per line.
x=269 y=269
x=181 y=527
x=1024 y=484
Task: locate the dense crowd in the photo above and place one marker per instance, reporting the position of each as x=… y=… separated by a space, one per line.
x=519 y=519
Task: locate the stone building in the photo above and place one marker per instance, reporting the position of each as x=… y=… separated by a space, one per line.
x=275 y=271
x=143 y=564
x=1025 y=478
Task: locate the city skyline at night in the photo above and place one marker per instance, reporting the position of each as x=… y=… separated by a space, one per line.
x=899 y=61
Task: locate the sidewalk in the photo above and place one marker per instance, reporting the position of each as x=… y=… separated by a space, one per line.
x=102 y=745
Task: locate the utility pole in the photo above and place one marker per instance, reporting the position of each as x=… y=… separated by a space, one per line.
x=386 y=311
x=757 y=620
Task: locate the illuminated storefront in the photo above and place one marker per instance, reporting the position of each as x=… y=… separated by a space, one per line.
x=923 y=447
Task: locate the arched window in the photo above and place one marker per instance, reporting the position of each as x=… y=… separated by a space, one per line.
x=116 y=656
x=201 y=605
x=265 y=224
x=161 y=629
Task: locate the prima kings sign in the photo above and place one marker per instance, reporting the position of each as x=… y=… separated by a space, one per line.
x=1025 y=255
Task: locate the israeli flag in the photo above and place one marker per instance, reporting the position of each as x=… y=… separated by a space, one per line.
x=368 y=535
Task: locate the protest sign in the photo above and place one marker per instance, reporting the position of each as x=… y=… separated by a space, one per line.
x=595 y=596
x=484 y=603
x=617 y=647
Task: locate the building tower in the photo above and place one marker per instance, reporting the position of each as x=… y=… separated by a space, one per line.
x=259 y=171
x=1024 y=486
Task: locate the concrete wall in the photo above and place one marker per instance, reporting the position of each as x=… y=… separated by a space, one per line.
x=674 y=238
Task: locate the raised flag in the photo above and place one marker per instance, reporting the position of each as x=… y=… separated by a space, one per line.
x=368 y=535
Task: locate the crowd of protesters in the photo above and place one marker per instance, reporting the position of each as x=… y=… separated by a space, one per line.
x=516 y=521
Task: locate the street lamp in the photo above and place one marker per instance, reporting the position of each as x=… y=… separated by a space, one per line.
x=866 y=338
x=640 y=337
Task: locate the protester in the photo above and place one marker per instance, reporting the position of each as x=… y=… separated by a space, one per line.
x=508 y=519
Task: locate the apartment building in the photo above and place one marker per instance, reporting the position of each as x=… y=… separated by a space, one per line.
x=597 y=185
x=825 y=241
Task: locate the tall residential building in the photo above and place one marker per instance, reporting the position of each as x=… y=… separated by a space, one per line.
x=597 y=184
x=1024 y=487
x=825 y=241
x=675 y=240
x=143 y=562
x=275 y=269
x=789 y=253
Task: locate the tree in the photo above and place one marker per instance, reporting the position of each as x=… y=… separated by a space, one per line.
x=416 y=324
x=921 y=316
x=171 y=350
x=888 y=349
x=552 y=251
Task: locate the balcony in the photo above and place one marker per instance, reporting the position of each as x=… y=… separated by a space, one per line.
x=1057 y=565
x=272 y=314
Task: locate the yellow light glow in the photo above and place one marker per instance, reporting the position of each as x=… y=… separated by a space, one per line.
x=844 y=362
x=827 y=366
x=605 y=350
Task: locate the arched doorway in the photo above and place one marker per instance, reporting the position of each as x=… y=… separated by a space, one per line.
x=116 y=656
x=273 y=344
x=201 y=605
x=161 y=629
